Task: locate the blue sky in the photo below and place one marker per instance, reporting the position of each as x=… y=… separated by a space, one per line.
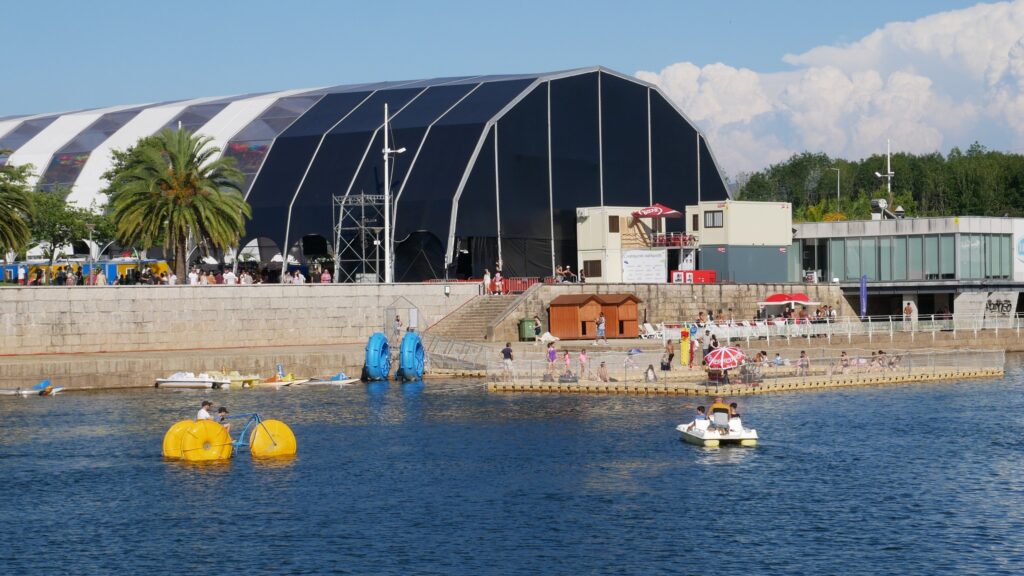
x=62 y=55
x=762 y=79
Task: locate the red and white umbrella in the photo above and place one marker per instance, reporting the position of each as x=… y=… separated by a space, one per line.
x=657 y=211
x=784 y=299
x=724 y=358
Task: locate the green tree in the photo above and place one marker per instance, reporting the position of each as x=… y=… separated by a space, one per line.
x=15 y=207
x=171 y=188
x=55 y=222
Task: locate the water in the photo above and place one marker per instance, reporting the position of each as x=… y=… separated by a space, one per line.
x=452 y=480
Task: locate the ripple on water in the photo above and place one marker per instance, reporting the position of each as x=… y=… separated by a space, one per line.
x=450 y=479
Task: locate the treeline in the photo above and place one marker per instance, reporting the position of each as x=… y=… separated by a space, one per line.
x=978 y=182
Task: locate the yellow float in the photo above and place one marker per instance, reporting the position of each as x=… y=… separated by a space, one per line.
x=172 y=440
x=205 y=441
x=270 y=439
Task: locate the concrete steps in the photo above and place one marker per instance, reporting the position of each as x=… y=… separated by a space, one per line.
x=469 y=323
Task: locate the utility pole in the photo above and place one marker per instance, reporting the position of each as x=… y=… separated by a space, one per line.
x=888 y=170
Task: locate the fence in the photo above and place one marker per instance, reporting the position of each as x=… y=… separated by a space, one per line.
x=825 y=367
x=870 y=326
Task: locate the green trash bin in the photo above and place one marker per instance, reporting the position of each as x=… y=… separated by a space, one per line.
x=526 y=330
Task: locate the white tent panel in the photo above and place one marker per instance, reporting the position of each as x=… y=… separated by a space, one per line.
x=238 y=115
x=149 y=121
x=39 y=150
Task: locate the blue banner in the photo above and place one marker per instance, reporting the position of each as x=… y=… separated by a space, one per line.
x=864 y=295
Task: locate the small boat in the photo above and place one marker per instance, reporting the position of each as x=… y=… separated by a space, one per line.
x=189 y=380
x=44 y=388
x=277 y=381
x=718 y=431
x=339 y=379
x=237 y=379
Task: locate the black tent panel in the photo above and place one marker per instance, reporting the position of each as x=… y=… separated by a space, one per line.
x=624 y=128
x=574 y=141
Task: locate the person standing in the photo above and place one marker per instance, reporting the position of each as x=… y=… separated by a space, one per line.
x=229 y=277
x=193 y=277
x=536 y=328
x=584 y=363
x=670 y=353
x=396 y=327
x=601 y=325
x=508 y=370
x=172 y=279
x=487 y=282
x=101 y=278
x=325 y=277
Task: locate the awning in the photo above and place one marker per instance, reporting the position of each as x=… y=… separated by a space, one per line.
x=657 y=211
x=783 y=299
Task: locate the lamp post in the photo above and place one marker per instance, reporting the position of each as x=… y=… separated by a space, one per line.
x=90 y=228
x=837 y=188
x=388 y=152
x=888 y=170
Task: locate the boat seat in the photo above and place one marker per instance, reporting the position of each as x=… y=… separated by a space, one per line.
x=735 y=425
x=702 y=424
x=720 y=419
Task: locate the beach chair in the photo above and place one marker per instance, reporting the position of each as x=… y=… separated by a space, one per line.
x=650 y=333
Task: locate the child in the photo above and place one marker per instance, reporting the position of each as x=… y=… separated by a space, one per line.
x=222 y=418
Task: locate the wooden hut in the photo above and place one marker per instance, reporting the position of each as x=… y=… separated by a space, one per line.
x=574 y=316
x=620 y=313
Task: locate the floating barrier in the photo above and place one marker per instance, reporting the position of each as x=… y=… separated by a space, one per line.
x=378 y=358
x=410 y=358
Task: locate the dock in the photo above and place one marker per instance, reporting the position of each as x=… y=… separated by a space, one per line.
x=784 y=384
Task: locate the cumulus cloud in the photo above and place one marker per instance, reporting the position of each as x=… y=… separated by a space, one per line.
x=944 y=80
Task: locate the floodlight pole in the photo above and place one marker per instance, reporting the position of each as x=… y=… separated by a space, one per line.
x=389 y=272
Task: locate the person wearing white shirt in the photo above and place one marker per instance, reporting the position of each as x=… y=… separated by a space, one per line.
x=172 y=279
x=204 y=411
x=193 y=278
x=229 y=277
x=298 y=278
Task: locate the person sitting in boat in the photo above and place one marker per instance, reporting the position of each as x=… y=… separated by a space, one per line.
x=204 y=410
x=700 y=419
x=222 y=418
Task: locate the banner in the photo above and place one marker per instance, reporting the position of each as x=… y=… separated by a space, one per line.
x=645 y=266
x=864 y=295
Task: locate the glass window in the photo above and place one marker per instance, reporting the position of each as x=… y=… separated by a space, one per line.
x=852 y=259
x=592 y=268
x=965 y=256
x=947 y=256
x=915 y=259
x=899 y=258
x=869 y=258
x=885 y=259
x=1006 y=254
x=977 y=256
x=931 y=257
x=713 y=219
x=613 y=227
x=836 y=259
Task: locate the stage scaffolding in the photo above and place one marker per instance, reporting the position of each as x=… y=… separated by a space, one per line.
x=358 y=237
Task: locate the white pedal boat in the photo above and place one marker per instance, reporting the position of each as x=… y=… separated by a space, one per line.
x=704 y=433
x=44 y=388
x=189 y=380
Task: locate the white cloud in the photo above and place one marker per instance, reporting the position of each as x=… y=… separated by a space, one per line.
x=944 y=80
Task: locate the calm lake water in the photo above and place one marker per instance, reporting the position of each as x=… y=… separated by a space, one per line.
x=448 y=479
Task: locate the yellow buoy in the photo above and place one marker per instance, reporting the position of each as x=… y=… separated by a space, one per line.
x=172 y=440
x=272 y=438
x=204 y=441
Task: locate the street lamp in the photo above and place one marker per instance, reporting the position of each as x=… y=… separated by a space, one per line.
x=888 y=170
x=90 y=228
x=388 y=153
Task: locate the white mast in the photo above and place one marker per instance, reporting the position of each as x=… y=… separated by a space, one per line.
x=387 y=203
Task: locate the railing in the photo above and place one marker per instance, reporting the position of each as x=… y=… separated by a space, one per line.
x=872 y=327
x=825 y=366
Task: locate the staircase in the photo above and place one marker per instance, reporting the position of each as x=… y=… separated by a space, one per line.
x=469 y=323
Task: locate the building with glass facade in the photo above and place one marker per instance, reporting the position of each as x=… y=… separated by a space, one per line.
x=925 y=261
x=494 y=166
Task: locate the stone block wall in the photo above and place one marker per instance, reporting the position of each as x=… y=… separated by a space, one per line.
x=666 y=302
x=133 y=318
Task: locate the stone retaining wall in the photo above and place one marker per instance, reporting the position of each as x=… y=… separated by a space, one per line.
x=132 y=318
x=669 y=301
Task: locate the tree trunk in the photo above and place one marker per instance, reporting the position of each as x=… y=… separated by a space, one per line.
x=179 y=261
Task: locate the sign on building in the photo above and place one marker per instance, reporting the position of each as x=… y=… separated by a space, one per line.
x=645 y=266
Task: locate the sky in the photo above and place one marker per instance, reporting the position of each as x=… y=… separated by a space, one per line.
x=763 y=80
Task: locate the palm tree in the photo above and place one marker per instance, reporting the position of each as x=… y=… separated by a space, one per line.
x=171 y=187
x=15 y=207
